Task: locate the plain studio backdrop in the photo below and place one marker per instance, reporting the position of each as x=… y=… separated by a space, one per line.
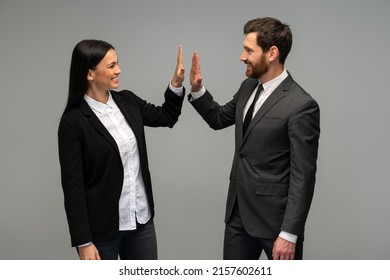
x=340 y=55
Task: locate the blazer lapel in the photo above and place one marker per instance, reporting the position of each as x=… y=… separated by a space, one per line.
x=128 y=113
x=97 y=124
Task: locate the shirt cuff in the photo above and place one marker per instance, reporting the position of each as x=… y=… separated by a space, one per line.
x=288 y=236
x=196 y=94
x=178 y=91
x=84 y=245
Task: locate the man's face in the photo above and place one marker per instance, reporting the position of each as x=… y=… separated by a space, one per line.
x=254 y=57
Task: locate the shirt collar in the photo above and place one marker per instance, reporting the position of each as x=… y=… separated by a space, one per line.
x=98 y=106
x=274 y=83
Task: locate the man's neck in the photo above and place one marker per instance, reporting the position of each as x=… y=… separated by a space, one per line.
x=273 y=72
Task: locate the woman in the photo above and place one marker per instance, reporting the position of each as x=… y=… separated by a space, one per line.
x=102 y=151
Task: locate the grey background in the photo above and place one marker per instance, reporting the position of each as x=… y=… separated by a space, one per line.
x=339 y=55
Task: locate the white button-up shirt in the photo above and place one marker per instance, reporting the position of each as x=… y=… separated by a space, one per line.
x=133 y=202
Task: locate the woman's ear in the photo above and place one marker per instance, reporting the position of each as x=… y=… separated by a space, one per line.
x=90 y=75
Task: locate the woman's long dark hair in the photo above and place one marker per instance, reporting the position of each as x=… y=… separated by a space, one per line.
x=86 y=55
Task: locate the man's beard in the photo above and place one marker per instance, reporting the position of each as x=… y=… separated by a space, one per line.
x=259 y=69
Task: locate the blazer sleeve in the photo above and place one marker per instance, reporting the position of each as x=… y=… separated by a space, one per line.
x=165 y=115
x=70 y=156
x=303 y=131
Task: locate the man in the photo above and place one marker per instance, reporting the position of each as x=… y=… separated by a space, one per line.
x=276 y=143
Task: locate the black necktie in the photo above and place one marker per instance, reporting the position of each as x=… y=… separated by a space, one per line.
x=249 y=114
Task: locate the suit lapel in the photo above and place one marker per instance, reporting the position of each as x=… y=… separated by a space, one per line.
x=97 y=124
x=279 y=93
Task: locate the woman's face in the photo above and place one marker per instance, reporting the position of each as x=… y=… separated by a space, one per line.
x=105 y=76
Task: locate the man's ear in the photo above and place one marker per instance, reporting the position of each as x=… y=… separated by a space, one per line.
x=273 y=53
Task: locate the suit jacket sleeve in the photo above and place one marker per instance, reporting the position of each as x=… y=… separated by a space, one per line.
x=303 y=131
x=216 y=116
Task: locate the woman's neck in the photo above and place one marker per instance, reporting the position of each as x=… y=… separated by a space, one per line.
x=100 y=96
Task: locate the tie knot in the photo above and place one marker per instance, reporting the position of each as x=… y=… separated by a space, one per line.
x=260 y=87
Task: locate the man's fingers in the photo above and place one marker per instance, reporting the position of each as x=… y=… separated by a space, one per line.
x=195 y=61
x=195 y=67
x=180 y=55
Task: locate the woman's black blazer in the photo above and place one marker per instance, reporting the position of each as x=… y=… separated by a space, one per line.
x=91 y=166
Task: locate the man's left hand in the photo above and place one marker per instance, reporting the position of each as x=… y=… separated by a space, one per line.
x=283 y=249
